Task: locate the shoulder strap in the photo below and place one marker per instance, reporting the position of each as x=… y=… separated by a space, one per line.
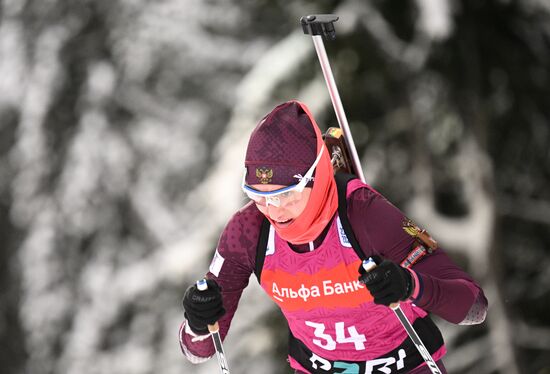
x=342 y=180
x=261 y=248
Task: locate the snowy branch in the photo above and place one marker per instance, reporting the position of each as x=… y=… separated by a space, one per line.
x=525 y=208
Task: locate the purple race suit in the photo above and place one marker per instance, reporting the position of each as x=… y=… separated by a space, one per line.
x=334 y=325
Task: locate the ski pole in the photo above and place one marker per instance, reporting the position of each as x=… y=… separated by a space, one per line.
x=321 y=26
x=368 y=265
x=215 y=332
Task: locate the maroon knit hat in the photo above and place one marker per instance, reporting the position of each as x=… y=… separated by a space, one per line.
x=282 y=145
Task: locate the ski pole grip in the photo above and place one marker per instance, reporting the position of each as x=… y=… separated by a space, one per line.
x=319 y=24
x=368 y=265
x=203 y=286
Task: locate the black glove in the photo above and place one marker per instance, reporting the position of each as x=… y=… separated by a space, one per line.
x=388 y=282
x=203 y=308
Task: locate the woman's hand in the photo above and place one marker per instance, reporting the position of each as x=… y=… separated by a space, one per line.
x=388 y=282
x=203 y=308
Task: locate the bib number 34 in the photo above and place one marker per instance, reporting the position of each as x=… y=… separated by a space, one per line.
x=341 y=336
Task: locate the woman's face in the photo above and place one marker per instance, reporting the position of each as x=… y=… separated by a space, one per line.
x=289 y=208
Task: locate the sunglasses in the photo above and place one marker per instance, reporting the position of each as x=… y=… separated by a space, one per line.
x=282 y=196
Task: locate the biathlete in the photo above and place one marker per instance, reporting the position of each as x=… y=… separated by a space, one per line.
x=291 y=235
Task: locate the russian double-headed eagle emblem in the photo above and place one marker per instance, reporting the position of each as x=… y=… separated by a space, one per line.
x=264 y=175
x=422 y=235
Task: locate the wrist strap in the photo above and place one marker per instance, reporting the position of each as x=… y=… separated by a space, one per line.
x=195 y=337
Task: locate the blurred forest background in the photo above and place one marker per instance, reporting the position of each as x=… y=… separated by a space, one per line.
x=123 y=126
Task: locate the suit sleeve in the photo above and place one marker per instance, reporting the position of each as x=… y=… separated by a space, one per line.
x=442 y=287
x=231 y=267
